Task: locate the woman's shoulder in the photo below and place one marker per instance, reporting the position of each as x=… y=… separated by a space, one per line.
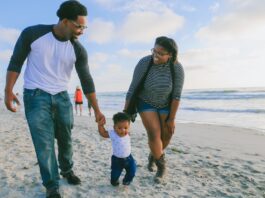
x=143 y=64
x=145 y=59
x=178 y=66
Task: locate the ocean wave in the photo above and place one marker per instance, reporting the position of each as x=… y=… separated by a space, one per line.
x=212 y=92
x=241 y=96
x=254 y=111
x=111 y=94
x=239 y=90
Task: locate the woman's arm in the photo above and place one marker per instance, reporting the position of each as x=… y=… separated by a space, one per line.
x=177 y=91
x=126 y=105
x=138 y=73
x=171 y=118
x=173 y=109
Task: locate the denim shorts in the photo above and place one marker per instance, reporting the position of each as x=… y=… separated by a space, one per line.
x=144 y=107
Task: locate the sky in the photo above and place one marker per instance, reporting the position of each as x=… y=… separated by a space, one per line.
x=221 y=42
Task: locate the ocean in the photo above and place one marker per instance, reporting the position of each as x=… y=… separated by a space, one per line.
x=244 y=107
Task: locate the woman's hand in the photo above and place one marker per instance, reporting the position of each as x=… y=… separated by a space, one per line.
x=171 y=125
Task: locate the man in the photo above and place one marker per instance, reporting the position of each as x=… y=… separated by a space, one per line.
x=51 y=52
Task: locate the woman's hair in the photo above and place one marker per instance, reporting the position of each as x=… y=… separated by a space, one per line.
x=71 y=9
x=120 y=117
x=170 y=45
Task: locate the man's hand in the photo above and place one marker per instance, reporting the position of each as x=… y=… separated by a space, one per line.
x=10 y=98
x=100 y=118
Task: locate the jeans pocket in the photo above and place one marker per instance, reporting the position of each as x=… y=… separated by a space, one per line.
x=65 y=96
x=27 y=96
x=32 y=92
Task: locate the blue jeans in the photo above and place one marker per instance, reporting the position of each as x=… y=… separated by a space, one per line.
x=118 y=164
x=49 y=117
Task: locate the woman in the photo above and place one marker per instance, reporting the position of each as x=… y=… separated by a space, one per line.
x=157 y=84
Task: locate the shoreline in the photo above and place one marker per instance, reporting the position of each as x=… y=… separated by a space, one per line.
x=254 y=130
x=251 y=130
x=203 y=161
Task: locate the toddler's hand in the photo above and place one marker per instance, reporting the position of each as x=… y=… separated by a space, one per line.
x=100 y=124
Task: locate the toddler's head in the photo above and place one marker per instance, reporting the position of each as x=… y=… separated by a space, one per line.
x=121 y=123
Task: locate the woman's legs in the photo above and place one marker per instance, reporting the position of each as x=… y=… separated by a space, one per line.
x=151 y=122
x=165 y=134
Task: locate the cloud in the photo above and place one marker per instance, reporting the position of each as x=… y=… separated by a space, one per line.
x=244 y=22
x=147 y=5
x=217 y=67
x=96 y=60
x=188 y=8
x=101 y=31
x=222 y=72
x=234 y=45
x=214 y=7
x=133 y=54
x=117 y=78
x=143 y=21
x=214 y=56
x=107 y=77
x=109 y=4
x=146 y=26
x=8 y=35
x=137 y=27
x=133 y=5
x=5 y=55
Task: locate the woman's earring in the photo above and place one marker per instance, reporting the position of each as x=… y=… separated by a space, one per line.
x=169 y=59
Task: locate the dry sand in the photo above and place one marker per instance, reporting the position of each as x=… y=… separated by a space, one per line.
x=203 y=161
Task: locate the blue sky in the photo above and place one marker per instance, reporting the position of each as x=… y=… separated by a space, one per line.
x=221 y=43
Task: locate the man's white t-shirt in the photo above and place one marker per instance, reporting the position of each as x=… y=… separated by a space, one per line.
x=121 y=146
x=50 y=60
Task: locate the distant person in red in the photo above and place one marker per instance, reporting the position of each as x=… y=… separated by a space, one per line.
x=78 y=99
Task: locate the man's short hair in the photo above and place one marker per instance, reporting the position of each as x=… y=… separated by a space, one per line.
x=71 y=9
x=120 y=117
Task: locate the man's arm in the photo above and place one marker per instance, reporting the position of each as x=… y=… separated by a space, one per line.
x=18 y=57
x=86 y=80
x=11 y=78
x=100 y=118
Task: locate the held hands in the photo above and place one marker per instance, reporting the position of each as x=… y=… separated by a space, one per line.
x=100 y=118
x=11 y=101
x=171 y=125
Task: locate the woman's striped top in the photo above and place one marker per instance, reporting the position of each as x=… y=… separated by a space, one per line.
x=158 y=83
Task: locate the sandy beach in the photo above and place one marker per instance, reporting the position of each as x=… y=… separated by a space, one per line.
x=203 y=161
